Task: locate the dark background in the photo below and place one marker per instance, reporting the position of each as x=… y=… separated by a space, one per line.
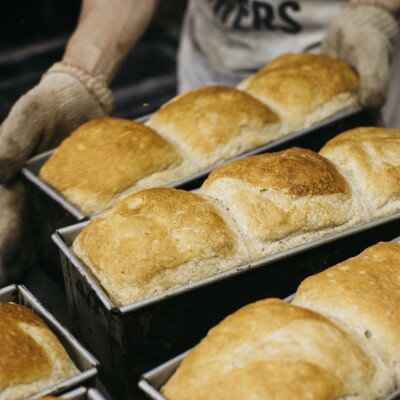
x=33 y=34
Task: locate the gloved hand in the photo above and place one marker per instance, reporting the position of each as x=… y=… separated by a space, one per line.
x=363 y=35
x=65 y=98
x=16 y=250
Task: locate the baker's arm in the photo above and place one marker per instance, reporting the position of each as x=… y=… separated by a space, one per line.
x=364 y=34
x=75 y=89
x=107 y=30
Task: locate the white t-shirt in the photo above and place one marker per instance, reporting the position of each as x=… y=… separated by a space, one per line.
x=233 y=38
x=224 y=41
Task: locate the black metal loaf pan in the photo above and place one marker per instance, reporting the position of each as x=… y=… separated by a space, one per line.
x=132 y=339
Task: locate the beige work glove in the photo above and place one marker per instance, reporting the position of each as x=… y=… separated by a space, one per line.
x=65 y=98
x=16 y=250
x=363 y=35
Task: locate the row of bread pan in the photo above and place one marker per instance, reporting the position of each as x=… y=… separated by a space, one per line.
x=132 y=339
x=50 y=210
x=151 y=382
x=84 y=361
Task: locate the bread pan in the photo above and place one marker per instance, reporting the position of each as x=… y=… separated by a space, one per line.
x=132 y=339
x=83 y=393
x=151 y=382
x=83 y=360
x=50 y=210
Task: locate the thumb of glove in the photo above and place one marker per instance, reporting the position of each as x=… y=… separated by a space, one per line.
x=65 y=98
x=19 y=135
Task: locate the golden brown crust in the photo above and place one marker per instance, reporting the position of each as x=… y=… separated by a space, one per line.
x=31 y=358
x=270 y=349
x=206 y=123
x=18 y=347
x=370 y=159
x=297 y=172
x=103 y=158
x=142 y=245
x=298 y=84
x=364 y=293
x=280 y=200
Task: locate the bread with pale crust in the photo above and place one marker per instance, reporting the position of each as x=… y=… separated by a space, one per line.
x=106 y=159
x=31 y=357
x=215 y=123
x=283 y=199
x=304 y=88
x=273 y=350
x=362 y=293
x=156 y=240
x=369 y=158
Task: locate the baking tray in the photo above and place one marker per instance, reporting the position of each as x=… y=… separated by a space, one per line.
x=50 y=210
x=83 y=360
x=83 y=393
x=132 y=339
x=151 y=382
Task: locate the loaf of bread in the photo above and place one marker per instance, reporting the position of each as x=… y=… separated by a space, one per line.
x=156 y=240
x=31 y=357
x=215 y=123
x=304 y=88
x=363 y=295
x=276 y=351
x=369 y=159
x=280 y=200
x=106 y=160
x=159 y=239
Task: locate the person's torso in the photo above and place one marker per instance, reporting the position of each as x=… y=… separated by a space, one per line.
x=237 y=37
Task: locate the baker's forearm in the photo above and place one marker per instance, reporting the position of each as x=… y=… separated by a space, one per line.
x=107 y=30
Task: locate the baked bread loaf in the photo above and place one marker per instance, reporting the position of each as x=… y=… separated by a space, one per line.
x=107 y=159
x=156 y=240
x=215 y=123
x=159 y=239
x=369 y=158
x=363 y=294
x=280 y=200
x=273 y=350
x=31 y=357
x=304 y=88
